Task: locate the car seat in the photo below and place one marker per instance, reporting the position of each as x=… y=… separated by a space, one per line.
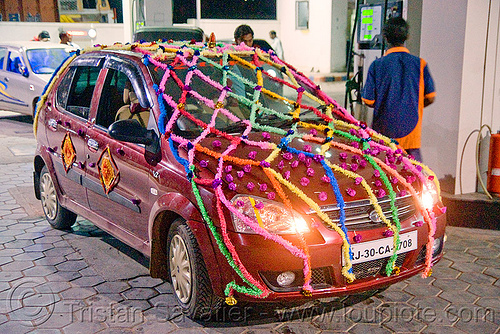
x=132 y=108
x=14 y=65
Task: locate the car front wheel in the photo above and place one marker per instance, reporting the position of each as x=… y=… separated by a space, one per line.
x=57 y=216
x=188 y=273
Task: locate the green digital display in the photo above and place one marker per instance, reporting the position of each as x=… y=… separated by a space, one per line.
x=369 y=28
x=367 y=20
x=367 y=37
x=367 y=12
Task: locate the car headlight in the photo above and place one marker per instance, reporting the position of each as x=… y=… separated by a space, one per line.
x=429 y=195
x=270 y=215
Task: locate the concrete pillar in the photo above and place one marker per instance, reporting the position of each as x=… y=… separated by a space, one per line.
x=339 y=33
x=158 y=13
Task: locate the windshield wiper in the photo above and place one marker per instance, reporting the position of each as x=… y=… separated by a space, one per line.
x=235 y=127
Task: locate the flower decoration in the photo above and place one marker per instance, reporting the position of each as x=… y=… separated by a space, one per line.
x=357 y=237
x=304 y=181
x=351 y=192
x=388 y=233
x=362 y=143
x=322 y=196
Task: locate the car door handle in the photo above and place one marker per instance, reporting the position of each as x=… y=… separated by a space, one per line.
x=92 y=144
x=6 y=79
x=52 y=123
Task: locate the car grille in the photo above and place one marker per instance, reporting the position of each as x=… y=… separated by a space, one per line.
x=375 y=267
x=358 y=212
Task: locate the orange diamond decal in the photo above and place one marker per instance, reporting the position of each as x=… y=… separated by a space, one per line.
x=68 y=152
x=108 y=171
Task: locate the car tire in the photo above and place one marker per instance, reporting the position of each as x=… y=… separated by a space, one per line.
x=57 y=216
x=188 y=273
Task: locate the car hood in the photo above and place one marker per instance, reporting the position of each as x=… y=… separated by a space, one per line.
x=44 y=77
x=301 y=171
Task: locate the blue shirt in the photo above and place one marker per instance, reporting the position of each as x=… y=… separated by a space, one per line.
x=397 y=84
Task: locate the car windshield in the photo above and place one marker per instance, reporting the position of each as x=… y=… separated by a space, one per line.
x=273 y=103
x=46 y=61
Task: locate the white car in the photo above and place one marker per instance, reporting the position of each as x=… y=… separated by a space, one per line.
x=25 y=69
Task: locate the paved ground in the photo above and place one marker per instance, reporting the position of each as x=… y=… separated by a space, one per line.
x=85 y=281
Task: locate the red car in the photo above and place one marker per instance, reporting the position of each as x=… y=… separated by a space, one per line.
x=234 y=173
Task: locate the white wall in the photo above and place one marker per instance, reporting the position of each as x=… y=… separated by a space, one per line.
x=302 y=48
x=26 y=31
x=224 y=29
x=339 y=33
x=307 y=48
x=442 y=47
x=158 y=12
x=480 y=83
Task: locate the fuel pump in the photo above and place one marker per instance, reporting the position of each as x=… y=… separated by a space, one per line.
x=367 y=44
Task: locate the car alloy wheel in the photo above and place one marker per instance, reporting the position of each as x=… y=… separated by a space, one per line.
x=180 y=269
x=57 y=216
x=48 y=196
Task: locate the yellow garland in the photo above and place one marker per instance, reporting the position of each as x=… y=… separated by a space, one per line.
x=345 y=244
x=292 y=78
x=276 y=96
x=273 y=155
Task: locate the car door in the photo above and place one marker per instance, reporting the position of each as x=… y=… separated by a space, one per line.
x=14 y=86
x=118 y=173
x=67 y=126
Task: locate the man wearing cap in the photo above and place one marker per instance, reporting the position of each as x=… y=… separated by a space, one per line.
x=43 y=36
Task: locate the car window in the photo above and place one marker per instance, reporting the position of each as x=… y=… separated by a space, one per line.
x=82 y=90
x=114 y=97
x=46 y=61
x=15 y=62
x=3 y=53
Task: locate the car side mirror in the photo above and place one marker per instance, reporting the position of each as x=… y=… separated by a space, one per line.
x=131 y=131
x=26 y=73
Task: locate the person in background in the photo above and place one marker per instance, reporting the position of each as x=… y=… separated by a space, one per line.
x=276 y=44
x=398 y=86
x=43 y=36
x=67 y=39
x=243 y=34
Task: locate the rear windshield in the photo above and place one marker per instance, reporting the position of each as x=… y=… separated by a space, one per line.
x=203 y=86
x=46 y=61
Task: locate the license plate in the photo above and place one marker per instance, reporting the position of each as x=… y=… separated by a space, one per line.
x=377 y=249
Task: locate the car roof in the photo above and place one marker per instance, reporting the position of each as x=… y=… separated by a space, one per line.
x=35 y=45
x=185 y=33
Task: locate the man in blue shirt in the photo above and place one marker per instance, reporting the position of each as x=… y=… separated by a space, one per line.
x=398 y=86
